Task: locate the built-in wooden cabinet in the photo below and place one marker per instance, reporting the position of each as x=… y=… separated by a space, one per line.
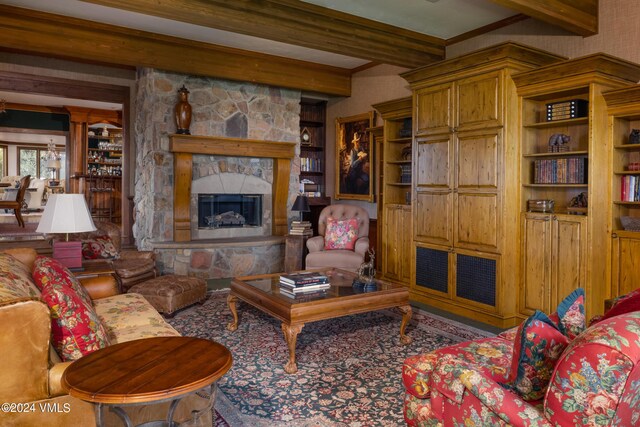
x=554 y=259
x=568 y=173
x=465 y=187
x=395 y=190
x=623 y=107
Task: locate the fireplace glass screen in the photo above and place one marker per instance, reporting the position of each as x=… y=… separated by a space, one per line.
x=229 y=210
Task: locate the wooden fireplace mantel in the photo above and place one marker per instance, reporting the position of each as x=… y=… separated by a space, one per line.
x=185 y=146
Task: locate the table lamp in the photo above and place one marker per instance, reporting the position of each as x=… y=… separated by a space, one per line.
x=301 y=205
x=66 y=213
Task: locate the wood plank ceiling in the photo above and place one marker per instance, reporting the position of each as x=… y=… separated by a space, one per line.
x=289 y=21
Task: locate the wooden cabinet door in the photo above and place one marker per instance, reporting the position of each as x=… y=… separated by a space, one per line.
x=535 y=268
x=433 y=218
x=406 y=234
x=568 y=256
x=477 y=204
x=478 y=102
x=391 y=242
x=434 y=190
x=625 y=271
x=433 y=110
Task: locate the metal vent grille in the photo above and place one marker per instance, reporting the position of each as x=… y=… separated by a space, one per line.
x=476 y=279
x=432 y=268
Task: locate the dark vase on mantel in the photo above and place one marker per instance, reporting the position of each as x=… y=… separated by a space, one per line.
x=183 y=112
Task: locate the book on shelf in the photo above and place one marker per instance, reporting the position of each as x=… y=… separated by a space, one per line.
x=571 y=170
x=569 y=109
x=304 y=278
x=630 y=188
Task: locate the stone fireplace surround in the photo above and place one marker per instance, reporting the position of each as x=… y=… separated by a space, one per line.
x=227 y=110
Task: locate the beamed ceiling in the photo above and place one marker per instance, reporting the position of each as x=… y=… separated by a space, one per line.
x=289 y=43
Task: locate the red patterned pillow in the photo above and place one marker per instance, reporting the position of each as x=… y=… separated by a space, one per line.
x=100 y=247
x=537 y=347
x=570 y=317
x=341 y=234
x=55 y=271
x=76 y=328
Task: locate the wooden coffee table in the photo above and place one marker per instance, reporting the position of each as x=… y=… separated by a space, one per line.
x=147 y=370
x=342 y=299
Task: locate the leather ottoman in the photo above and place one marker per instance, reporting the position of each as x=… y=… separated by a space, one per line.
x=170 y=293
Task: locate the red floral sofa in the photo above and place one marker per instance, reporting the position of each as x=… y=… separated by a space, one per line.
x=549 y=371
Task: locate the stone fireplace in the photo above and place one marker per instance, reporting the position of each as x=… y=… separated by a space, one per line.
x=245 y=141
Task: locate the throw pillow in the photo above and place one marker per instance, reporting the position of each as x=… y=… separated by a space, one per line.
x=537 y=347
x=15 y=281
x=76 y=328
x=623 y=304
x=49 y=269
x=341 y=234
x=100 y=247
x=569 y=316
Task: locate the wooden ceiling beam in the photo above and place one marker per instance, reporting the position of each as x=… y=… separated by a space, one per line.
x=577 y=16
x=298 y=23
x=47 y=34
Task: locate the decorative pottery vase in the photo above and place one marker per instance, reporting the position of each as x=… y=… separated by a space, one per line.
x=183 y=112
x=105 y=131
x=634 y=136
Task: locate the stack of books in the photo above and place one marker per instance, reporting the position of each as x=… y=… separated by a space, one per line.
x=570 y=109
x=305 y=283
x=301 y=228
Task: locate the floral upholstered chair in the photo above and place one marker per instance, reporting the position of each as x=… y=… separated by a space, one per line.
x=544 y=373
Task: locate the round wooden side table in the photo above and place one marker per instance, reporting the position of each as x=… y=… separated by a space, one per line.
x=144 y=371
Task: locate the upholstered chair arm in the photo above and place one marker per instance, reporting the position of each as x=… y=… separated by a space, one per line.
x=362 y=245
x=24 y=345
x=457 y=383
x=100 y=286
x=133 y=254
x=55 y=379
x=315 y=243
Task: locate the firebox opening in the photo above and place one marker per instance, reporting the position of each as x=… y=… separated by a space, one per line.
x=229 y=210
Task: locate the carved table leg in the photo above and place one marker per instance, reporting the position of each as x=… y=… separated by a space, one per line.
x=406 y=316
x=231 y=302
x=290 y=335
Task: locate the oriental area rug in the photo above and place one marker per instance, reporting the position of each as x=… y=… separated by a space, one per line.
x=349 y=368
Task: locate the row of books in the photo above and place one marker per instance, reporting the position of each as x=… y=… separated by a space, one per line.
x=310 y=164
x=630 y=188
x=569 y=109
x=405 y=173
x=572 y=170
x=304 y=283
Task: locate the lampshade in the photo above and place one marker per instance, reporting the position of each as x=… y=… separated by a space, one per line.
x=53 y=164
x=66 y=213
x=301 y=204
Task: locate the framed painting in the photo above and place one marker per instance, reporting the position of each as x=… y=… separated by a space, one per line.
x=354 y=157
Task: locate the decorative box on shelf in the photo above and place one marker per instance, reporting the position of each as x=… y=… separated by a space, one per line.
x=544 y=206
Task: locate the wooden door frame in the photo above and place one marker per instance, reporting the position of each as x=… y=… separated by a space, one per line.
x=91 y=91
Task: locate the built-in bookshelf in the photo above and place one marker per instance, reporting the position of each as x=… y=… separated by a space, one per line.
x=312 y=147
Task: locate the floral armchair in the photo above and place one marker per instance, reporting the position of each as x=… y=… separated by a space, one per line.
x=588 y=379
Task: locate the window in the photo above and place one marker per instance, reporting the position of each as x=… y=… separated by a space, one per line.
x=4 y=168
x=33 y=161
